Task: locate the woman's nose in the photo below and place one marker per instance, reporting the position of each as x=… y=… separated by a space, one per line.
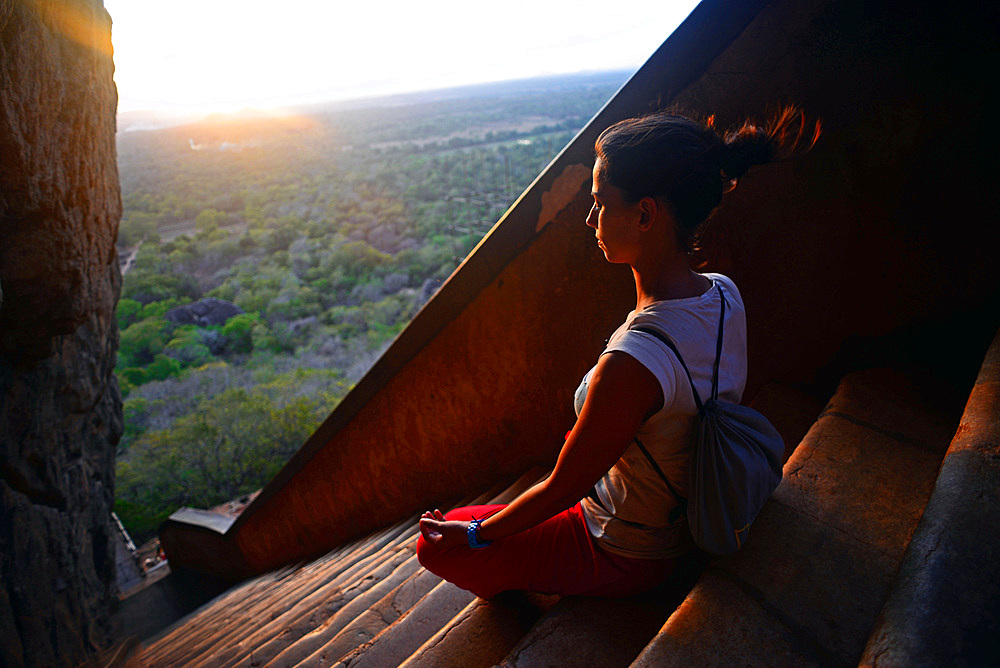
x=591 y=218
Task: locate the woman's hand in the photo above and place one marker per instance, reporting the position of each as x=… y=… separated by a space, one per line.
x=441 y=532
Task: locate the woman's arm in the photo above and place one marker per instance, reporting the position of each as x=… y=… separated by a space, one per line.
x=621 y=395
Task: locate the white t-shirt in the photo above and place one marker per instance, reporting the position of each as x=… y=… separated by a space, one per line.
x=632 y=518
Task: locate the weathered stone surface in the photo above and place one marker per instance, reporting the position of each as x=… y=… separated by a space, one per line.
x=204 y=312
x=483 y=633
x=289 y=642
x=896 y=405
x=944 y=608
x=60 y=409
x=59 y=195
x=859 y=481
x=702 y=632
x=825 y=584
x=581 y=631
x=370 y=623
x=59 y=422
x=409 y=632
x=808 y=584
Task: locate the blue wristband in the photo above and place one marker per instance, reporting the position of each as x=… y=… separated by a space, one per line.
x=473 y=532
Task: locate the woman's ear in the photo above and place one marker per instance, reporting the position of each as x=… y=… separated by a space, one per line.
x=649 y=209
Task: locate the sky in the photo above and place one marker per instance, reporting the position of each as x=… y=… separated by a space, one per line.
x=227 y=55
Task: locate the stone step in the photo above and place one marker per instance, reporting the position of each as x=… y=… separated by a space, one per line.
x=320 y=620
x=483 y=633
x=287 y=616
x=581 y=631
x=316 y=594
x=411 y=630
x=808 y=585
x=944 y=607
x=222 y=624
x=372 y=621
x=176 y=641
x=315 y=632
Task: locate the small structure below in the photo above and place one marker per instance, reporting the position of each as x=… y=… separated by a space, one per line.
x=130 y=573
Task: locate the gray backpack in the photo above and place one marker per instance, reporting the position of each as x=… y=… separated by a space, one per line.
x=736 y=462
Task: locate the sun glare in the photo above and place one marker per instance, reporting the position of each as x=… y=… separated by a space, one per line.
x=222 y=55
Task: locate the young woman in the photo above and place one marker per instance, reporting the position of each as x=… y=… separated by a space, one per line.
x=601 y=523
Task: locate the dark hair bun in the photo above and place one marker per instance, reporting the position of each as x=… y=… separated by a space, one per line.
x=748 y=146
x=785 y=135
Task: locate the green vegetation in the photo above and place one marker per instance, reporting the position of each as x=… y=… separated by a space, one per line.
x=227 y=445
x=328 y=230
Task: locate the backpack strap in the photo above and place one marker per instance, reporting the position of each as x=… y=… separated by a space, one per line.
x=665 y=340
x=681 y=507
x=652 y=331
x=718 y=348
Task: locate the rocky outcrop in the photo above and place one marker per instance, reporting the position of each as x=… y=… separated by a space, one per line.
x=60 y=409
x=204 y=313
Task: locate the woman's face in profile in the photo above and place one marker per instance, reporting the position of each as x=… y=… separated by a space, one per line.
x=613 y=219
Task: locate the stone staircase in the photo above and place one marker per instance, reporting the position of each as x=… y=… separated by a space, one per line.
x=805 y=590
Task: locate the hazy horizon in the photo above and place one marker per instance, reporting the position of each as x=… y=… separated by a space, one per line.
x=154 y=119
x=228 y=55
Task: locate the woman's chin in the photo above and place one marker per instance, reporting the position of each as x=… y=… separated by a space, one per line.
x=611 y=258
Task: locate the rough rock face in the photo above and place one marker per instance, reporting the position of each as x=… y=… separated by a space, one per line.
x=60 y=409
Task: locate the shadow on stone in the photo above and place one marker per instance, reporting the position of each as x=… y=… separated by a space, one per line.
x=149 y=613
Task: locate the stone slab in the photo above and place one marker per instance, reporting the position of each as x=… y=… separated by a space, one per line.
x=944 y=609
x=483 y=633
x=859 y=481
x=407 y=634
x=719 y=624
x=945 y=605
x=370 y=623
x=584 y=632
x=905 y=407
x=830 y=583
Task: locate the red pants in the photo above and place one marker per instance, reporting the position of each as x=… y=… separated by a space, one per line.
x=558 y=556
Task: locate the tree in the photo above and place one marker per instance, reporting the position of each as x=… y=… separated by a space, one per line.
x=141 y=342
x=162 y=367
x=187 y=346
x=238 y=331
x=230 y=445
x=127 y=312
x=135 y=227
x=209 y=219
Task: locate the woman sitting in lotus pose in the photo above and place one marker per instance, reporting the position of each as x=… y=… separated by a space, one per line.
x=601 y=523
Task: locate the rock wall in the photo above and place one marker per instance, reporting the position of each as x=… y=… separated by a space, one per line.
x=60 y=408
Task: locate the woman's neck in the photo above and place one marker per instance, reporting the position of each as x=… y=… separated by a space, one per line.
x=673 y=279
